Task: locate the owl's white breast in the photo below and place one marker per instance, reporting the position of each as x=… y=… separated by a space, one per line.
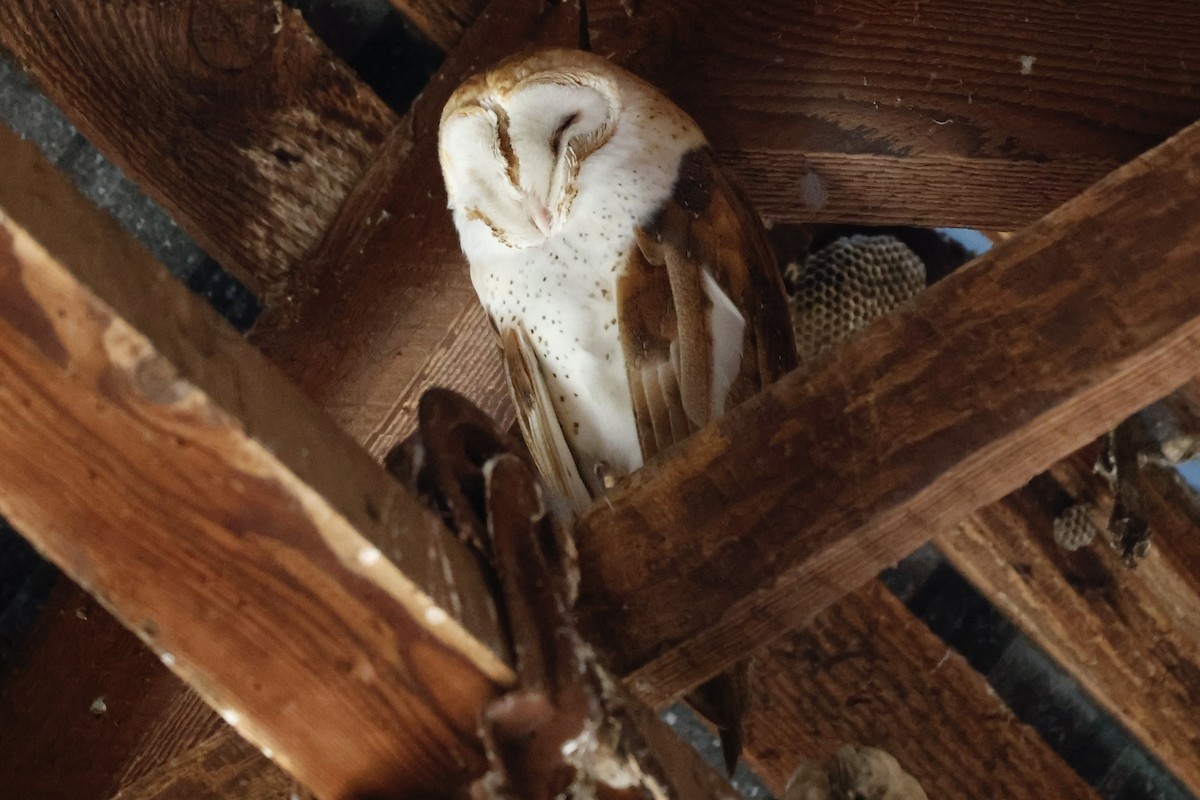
x=563 y=291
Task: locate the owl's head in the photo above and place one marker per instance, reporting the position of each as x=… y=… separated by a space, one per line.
x=512 y=140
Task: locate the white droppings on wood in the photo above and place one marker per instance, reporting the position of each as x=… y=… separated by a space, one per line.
x=435 y=616
x=1027 y=63
x=167 y=659
x=369 y=556
x=230 y=716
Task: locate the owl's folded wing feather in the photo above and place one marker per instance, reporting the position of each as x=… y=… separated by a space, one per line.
x=701 y=308
x=539 y=423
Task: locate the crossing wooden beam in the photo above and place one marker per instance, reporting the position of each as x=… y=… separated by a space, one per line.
x=865 y=671
x=167 y=467
x=802 y=494
x=1128 y=636
x=232 y=115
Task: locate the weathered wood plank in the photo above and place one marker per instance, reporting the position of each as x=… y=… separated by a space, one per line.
x=756 y=523
x=443 y=21
x=1124 y=635
x=865 y=671
x=232 y=116
x=165 y=465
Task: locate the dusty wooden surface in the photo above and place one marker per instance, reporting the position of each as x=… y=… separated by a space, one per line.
x=232 y=115
x=1129 y=637
x=270 y=536
x=803 y=493
x=866 y=672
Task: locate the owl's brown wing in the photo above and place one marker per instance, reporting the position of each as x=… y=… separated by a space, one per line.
x=704 y=325
x=539 y=424
x=702 y=312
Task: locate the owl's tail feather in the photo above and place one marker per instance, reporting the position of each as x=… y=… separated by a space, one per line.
x=539 y=424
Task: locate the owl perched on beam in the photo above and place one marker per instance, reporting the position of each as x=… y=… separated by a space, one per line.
x=632 y=286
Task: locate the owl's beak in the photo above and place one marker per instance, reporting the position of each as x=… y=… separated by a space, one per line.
x=539 y=214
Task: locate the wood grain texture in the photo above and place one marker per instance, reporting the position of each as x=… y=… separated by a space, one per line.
x=803 y=493
x=161 y=462
x=50 y=732
x=443 y=21
x=232 y=116
x=223 y=767
x=865 y=671
x=866 y=111
x=1129 y=637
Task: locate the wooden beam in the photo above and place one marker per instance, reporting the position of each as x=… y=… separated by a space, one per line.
x=956 y=112
x=161 y=462
x=865 y=671
x=232 y=115
x=1127 y=636
x=802 y=494
x=443 y=21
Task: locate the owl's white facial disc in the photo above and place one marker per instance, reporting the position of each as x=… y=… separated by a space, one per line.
x=511 y=161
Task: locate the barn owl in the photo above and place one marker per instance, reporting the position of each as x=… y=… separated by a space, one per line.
x=632 y=286
x=633 y=289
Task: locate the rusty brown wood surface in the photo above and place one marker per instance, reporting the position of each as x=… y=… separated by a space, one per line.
x=160 y=461
x=803 y=493
x=1130 y=637
x=233 y=116
x=865 y=671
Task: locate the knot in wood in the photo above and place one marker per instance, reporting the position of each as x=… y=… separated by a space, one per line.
x=233 y=35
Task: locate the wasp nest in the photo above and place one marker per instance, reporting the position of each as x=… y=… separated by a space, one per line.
x=1074 y=528
x=854 y=773
x=844 y=286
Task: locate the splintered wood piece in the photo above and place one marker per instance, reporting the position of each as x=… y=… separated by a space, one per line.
x=1130 y=637
x=177 y=476
x=803 y=493
x=232 y=115
x=567 y=729
x=866 y=671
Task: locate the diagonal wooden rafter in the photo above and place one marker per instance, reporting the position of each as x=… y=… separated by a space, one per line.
x=159 y=460
x=756 y=523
